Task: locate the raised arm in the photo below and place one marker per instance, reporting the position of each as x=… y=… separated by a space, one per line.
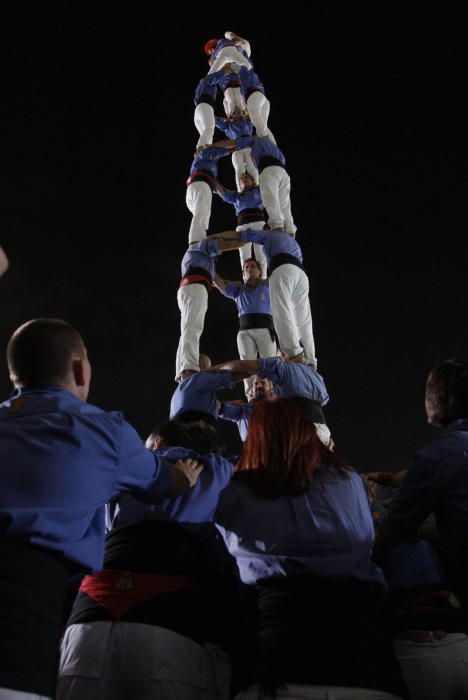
x=239 y=367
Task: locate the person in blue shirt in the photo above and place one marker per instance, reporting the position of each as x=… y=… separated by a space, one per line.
x=437 y=482
x=274 y=181
x=239 y=412
x=297 y=520
x=289 y=289
x=242 y=162
x=200 y=185
x=204 y=117
x=195 y=396
x=250 y=212
x=162 y=593
x=256 y=336
x=197 y=273
x=258 y=105
x=231 y=49
x=63 y=459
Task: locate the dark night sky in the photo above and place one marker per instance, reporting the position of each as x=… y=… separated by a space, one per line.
x=98 y=122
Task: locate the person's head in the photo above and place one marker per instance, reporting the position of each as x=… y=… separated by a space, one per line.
x=169 y=434
x=282 y=453
x=260 y=389
x=204 y=437
x=251 y=270
x=210 y=46
x=447 y=392
x=204 y=362
x=246 y=182
x=49 y=352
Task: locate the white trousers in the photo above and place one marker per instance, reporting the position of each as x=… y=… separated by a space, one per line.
x=119 y=660
x=246 y=251
x=229 y=54
x=7 y=694
x=290 y=307
x=204 y=119
x=275 y=188
x=293 y=691
x=198 y=199
x=233 y=101
x=242 y=161
x=193 y=304
x=435 y=670
x=252 y=343
x=259 y=108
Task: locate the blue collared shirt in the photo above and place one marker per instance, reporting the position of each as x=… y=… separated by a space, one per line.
x=250 y=300
x=293 y=379
x=198 y=392
x=325 y=532
x=234 y=128
x=207 y=159
x=201 y=254
x=250 y=199
x=262 y=147
x=63 y=459
x=250 y=82
x=273 y=242
x=238 y=413
x=205 y=87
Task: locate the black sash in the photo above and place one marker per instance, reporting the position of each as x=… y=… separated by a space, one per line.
x=266 y=161
x=284 y=259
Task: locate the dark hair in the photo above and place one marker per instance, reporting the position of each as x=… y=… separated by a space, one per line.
x=282 y=453
x=253 y=260
x=40 y=352
x=447 y=391
x=205 y=437
x=173 y=433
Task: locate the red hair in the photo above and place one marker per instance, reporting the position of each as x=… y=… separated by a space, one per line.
x=282 y=453
x=210 y=44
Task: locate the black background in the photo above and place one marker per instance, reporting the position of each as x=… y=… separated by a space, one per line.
x=98 y=130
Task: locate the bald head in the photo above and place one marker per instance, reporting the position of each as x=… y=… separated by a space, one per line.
x=48 y=352
x=204 y=362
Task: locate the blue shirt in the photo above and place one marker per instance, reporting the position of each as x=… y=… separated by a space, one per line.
x=261 y=146
x=197 y=505
x=437 y=483
x=198 y=392
x=207 y=159
x=273 y=242
x=238 y=413
x=201 y=254
x=205 y=87
x=250 y=82
x=293 y=379
x=325 y=532
x=250 y=199
x=62 y=460
x=250 y=300
x=234 y=128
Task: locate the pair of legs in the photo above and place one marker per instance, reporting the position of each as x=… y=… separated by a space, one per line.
x=242 y=161
x=127 y=659
x=233 y=101
x=229 y=54
x=258 y=106
x=253 y=343
x=246 y=251
x=193 y=304
x=290 y=307
x=198 y=199
x=275 y=188
x=204 y=119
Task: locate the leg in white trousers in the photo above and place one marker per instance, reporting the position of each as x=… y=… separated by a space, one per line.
x=233 y=102
x=275 y=188
x=242 y=161
x=259 y=108
x=252 y=343
x=246 y=251
x=193 y=304
x=290 y=307
x=436 y=670
x=204 y=120
x=118 y=660
x=198 y=199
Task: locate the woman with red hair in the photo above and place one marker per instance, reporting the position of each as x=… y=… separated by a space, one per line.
x=297 y=520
